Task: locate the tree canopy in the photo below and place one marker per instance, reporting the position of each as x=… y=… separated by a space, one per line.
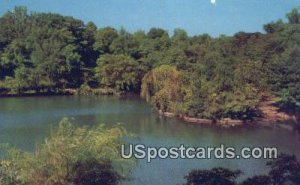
x=207 y=77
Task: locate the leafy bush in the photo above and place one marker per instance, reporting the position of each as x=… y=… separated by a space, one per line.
x=64 y=156
x=85 y=89
x=95 y=173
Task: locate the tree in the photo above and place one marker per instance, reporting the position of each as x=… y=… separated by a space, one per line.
x=120 y=72
x=294 y=16
x=215 y=176
x=219 y=78
x=104 y=38
x=285 y=170
x=12 y=57
x=155 y=33
x=274 y=27
x=289 y=83
x=55 y=59
x=125 y=44
x=180 y=39
x=13 y=48
x=88 y=55
x=164 y=87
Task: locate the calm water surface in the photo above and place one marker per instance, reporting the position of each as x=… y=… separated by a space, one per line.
x=24 y=122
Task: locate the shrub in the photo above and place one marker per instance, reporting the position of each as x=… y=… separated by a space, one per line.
x=65 y=154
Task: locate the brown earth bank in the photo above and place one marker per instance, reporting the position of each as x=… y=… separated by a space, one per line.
x=227 y=122
x=270 y=116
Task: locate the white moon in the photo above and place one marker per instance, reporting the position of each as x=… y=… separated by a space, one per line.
x=213 y=2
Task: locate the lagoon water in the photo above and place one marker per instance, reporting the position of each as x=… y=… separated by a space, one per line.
x=25 y=122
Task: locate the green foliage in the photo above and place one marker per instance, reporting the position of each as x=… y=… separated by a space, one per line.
x=55 y=60
x=219 y=77
x=171 y=90
x=120 y=72
x=85 y=89
x=274 y=27
x=65 y=154
x=155 y=33
x=294 y=16
x=164 y=87
x=126 y=44
x=48 y=46
x=289 y=84
x=104 y=38
x=283 y=58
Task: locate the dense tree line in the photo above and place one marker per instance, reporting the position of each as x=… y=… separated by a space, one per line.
x=197 y=76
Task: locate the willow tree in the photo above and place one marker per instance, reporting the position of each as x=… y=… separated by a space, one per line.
x=164 y=87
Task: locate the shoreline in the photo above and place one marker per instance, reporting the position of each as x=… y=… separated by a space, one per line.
x=271 y=116
x=227 y=122
x=72 y=92
x=284 y=121
x=63 y=92
x=34 y=95
x=288 y=124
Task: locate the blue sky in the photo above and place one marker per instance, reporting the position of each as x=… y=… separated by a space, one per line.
x=195 y=16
